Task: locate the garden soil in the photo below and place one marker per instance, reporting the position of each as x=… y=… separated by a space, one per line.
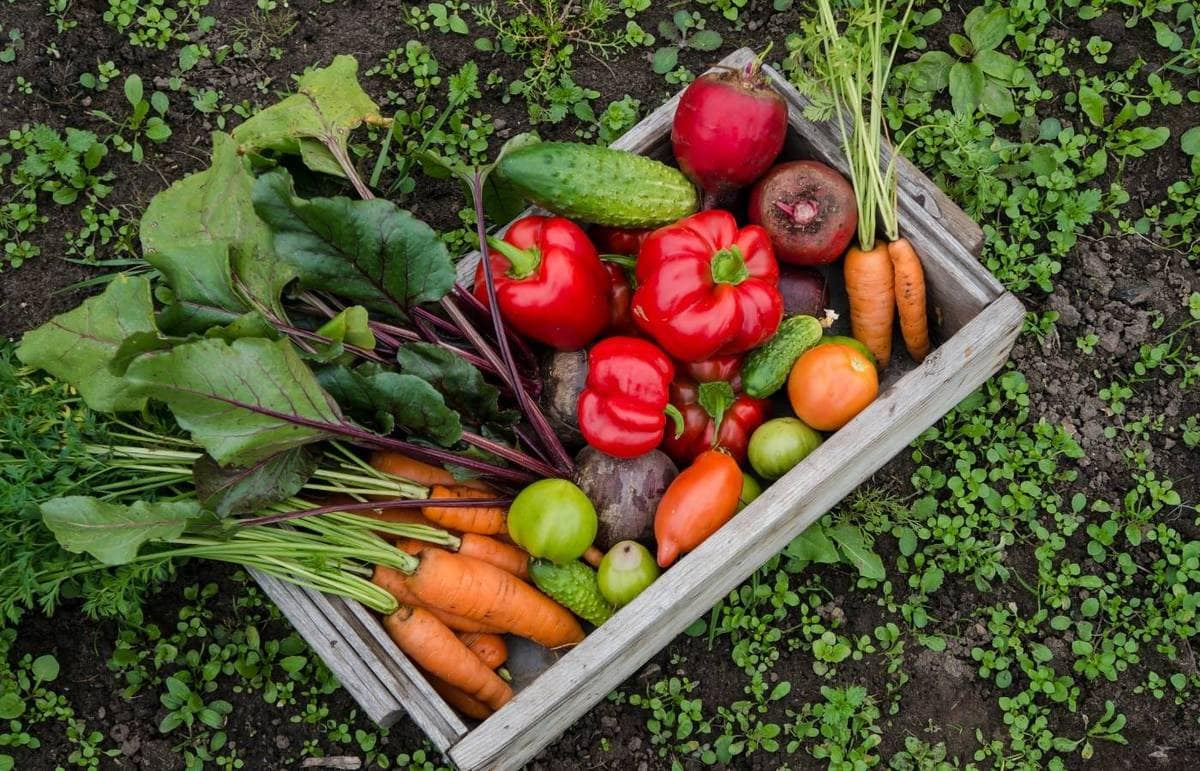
x=1113 y=285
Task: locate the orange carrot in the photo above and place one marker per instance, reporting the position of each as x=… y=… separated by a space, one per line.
x=468 y=705
x=490 y=648
x=910 y=298
x=412 y=545
x=432 y=645
x=394 y=582
x=405 y=467
x=593 y=556
x=402 y=516
x=505 y=556
x=870 y=285
x=468 y=587
x=468 y=519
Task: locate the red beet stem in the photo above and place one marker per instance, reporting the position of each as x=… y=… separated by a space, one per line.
x=801 y=212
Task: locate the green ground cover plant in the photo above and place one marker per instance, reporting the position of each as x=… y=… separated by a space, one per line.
x=1037 y=552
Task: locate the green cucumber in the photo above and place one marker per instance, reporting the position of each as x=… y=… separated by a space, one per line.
x=766 y=368
x=574 y=585
x=599 y=185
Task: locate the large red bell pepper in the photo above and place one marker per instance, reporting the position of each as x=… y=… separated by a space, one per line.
x=707 y=288
x=624 y=404
x=715 y=411
x=550 y=283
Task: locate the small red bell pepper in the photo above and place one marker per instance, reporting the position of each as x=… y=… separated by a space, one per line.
x=727 y=368
x=707 y=288
x=626 y=241
x=614 y=243
x=620 y=296
x=550 y=283
x=624 y=404
x=715 y=411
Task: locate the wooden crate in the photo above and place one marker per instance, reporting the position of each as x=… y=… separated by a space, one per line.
x=976 y=322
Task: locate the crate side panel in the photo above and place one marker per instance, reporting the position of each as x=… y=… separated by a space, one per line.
x=615 y=650
x=354 y=646
x=335 y=649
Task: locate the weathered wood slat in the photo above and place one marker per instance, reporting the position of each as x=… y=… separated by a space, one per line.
x=354 y=646
x=685 y=592
x=337 y=651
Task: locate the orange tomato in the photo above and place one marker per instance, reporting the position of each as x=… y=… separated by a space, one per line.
x=702 y=498
x=830 y=384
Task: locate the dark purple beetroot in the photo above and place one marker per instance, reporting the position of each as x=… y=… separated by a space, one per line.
x=808 y=209
x=804 y=291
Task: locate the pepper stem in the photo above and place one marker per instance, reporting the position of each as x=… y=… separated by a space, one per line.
x=620 y=259
x=728 y=266
x=522 y=262
x=676 y=417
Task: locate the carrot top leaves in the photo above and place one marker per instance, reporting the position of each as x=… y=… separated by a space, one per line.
x=847 y=80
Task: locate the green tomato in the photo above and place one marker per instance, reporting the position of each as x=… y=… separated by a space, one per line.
x=626 y=571
x=751 y=489
x=779 y=444
x=552 y=518
x=851 y=342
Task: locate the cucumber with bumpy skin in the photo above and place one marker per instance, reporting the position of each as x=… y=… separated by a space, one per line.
x=599 y=185
x=575 y=586
x=766 y=368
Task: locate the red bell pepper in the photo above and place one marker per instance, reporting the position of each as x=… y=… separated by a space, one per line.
x=727 y=368
x=619 y=242
x=626 y=241
x=707 y=288
x=550 y=283
x=715 y=411
x=624 y=404
x=620 y=296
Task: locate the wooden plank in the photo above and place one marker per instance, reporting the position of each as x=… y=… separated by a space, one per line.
x=617 y=649
x=337 y=651
x=428 y=710
x=354 y=646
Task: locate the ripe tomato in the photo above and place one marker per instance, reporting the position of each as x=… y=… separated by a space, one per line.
x=830 y=384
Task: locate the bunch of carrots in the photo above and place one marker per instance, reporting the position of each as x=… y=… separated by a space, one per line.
x=459 y=598
x=883 y=276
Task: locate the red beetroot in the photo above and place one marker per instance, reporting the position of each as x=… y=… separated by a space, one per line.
x=808 y=209
x=728 y=129
x=804 y=291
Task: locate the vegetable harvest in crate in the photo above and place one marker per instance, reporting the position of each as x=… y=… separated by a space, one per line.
x=333 y=407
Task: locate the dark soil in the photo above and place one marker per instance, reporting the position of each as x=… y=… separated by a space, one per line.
x=1108 y=284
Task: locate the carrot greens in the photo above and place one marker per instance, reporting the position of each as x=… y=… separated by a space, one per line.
x=847 y=77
